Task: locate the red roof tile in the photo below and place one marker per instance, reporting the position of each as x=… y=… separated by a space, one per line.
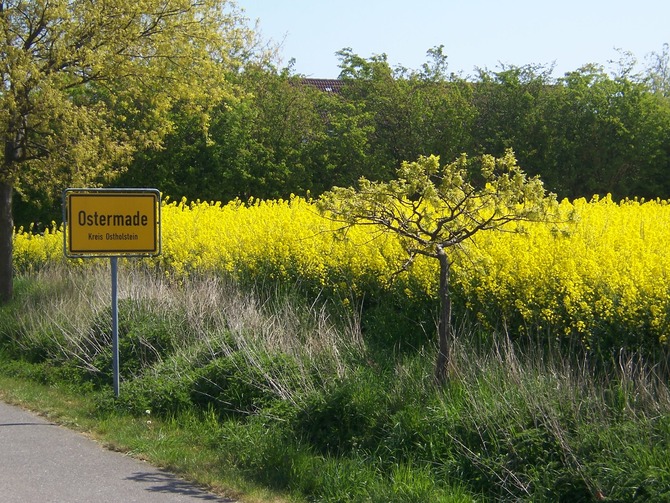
x=325 y=85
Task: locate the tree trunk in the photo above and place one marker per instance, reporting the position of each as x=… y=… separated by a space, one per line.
x=444 y=324
x=14 y=146
x=6 y=242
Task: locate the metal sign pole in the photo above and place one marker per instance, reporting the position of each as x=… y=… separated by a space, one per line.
x=112 y=223
x=115 y=324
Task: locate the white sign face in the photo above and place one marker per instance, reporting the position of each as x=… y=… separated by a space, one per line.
x=111 y=222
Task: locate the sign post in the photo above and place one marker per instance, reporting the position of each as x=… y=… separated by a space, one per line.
x=112 y=223
x=114 y=263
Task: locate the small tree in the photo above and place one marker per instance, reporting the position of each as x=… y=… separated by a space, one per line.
x=433 y=209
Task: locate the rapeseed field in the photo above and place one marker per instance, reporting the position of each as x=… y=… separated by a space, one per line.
x=597 y=270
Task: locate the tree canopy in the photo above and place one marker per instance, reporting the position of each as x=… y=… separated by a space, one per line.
x=588 y=132
x=87 y=82
x=171 y=93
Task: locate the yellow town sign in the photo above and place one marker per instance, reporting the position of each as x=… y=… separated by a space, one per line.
x=111 y=222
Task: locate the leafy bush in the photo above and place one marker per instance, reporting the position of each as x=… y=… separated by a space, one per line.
x=164 y=392
x=239 y=384
x=344 y=419
x=145 y=337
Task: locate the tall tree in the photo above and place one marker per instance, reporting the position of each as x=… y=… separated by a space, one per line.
x=432 y=209
x=658 y=71
x=409 y=112
x=85 y=82
x=603 y=134
x=508 y=102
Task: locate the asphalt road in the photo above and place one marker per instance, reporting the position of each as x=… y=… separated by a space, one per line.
x=42 y=462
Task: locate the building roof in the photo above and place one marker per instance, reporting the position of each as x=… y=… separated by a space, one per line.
x=325 y=85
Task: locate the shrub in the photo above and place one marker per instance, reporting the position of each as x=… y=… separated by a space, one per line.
x=163 y=389
x=145 y=337
x=241 y=383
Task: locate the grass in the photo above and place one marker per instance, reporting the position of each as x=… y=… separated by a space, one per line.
x=263 y=394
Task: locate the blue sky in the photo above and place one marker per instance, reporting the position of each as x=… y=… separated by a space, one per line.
x=475 y=33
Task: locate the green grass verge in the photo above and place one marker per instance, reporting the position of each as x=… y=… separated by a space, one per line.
x=185 y=444
x=273 y=398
